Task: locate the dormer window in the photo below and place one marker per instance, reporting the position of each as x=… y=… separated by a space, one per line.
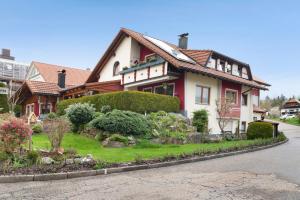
x=240 y=71
x=116 y=68
x=222 y=65
x=244 y=73
x=228 y=68
x=212 y=63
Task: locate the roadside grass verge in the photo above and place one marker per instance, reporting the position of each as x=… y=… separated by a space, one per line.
x=85 y=145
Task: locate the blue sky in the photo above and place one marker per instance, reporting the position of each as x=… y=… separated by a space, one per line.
x=263 y=33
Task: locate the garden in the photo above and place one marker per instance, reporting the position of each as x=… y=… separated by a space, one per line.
x=97 y=132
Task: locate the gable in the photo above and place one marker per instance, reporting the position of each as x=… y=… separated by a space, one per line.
x=33 y=74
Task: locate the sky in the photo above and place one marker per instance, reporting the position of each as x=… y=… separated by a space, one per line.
x=262 y=33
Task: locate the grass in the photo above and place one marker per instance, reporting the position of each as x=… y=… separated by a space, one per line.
x=292 y=121
x=85 y=145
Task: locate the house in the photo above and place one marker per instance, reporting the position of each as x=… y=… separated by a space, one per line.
x=134 y=61
x=12 y=72
x=41 y=90
x=198 y=78
x=292 y=106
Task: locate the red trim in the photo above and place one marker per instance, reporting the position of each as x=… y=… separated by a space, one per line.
x=144 y=52
x=236 y=108
x=179 y=88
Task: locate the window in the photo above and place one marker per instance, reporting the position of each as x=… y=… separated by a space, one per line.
x=149 y=89
x=167 y=89
x=228 y=68
x=243 y=127
x=212 y=63
x=202 y=95
x=116 y=69
x=231 y=96
x=239 y=71
x=254 y=118
x=222 y=64
x=244 y=99
x=45 y=108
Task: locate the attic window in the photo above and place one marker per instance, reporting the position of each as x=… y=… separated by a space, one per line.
x=116 y=68
x=228 y=68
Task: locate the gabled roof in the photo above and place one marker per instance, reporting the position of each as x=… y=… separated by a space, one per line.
x=74 y=76
x=39 y=87
x=199 y=56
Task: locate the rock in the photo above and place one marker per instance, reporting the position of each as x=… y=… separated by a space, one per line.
x=112 y=144
x=77 y=160
x=131 y=140
x=47 y=161
x=156 y=141
x=89 y=156
x=69 y=161
x=195 y=138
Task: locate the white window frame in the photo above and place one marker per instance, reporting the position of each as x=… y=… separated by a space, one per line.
x=162 y=86
x=209 y=92
x=237 y=95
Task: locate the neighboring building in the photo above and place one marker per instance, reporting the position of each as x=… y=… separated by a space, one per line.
x=292 y=106
x=197 y=77
x=11 y=72
x=41 y=90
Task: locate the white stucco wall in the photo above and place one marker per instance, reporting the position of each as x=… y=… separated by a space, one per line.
x=247 y=111
x=122 y=54
x=191 y=80
x=33 y=74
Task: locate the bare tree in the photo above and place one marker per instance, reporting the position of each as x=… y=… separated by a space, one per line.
x=223 y=110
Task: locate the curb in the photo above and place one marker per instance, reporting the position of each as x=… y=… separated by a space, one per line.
x=86 y=173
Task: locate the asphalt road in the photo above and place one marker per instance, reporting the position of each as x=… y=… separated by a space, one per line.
x=268 y=174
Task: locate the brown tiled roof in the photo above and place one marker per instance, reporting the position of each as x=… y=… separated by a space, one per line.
x=39 y=87
x=292 y=101
x=74 y=76
x=259 y=80
x=198 y=55
x=258 y=110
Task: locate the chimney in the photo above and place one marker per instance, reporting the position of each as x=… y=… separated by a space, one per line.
x=61 y=78
x=6 y=54
x=183 y=41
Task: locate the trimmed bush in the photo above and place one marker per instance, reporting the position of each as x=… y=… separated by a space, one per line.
x=200 y=120
x=4 y=108
x=80 y=114
x=124 y=122
x=135 y=101
x=259 y=130
x=37 y=128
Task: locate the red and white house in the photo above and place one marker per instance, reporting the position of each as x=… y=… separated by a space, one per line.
x=197 y=77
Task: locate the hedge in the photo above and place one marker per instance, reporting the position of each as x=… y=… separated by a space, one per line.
x=259 y=130
x=135 y=101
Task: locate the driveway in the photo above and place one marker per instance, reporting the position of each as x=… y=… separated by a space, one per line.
x=268 y=174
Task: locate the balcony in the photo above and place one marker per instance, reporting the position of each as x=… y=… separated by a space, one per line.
x=152 y=71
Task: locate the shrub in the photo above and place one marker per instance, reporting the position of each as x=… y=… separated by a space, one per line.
x=80 y=114
x=55 y=129
x=37 y=128
x=14 y=133
x=135 y=101
x=259 y=130
x=32 y=157
x=105 y=109
x=162 y=121
x=118 y=138
x=17 y=110
x=125 y=122
x=200 y=120
x=3 y=156
x=4 y=108
x=52 y=115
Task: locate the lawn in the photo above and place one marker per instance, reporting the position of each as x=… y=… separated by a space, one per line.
x=292 y=121
x=85 y=145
